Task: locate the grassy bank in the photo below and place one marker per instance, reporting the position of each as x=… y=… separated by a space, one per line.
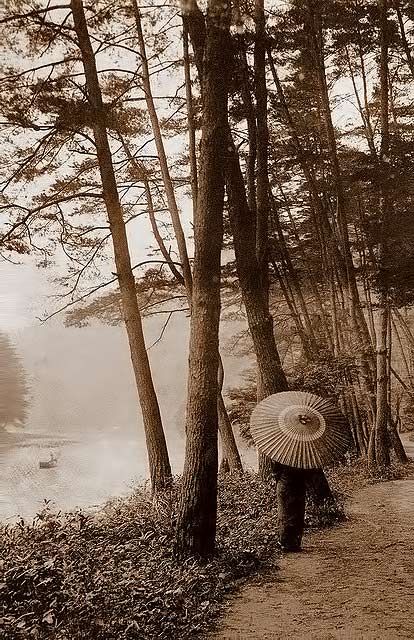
x=113 y=575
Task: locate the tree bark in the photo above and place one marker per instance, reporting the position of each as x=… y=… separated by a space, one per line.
x=382 y=456
x=197 y=515
x=230 y=455
x=262 y=147
x=228 y=440
x=191 y=122
x=271 y=377
x=159 y=466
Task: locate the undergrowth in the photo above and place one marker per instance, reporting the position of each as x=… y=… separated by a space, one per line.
x=112 y=575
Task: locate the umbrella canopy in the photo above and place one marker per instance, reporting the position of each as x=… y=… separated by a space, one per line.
x=299 y=429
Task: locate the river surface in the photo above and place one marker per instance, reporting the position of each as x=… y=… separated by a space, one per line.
x=83 y=407
x=89 y=471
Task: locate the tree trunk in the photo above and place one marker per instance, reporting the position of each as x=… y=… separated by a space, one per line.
x=197 y=515
x=262 y=145
x=250 y=116
x=191 y=122
x=270 y=375
x=166 y=177
x=395 y=440
x=159 y=466
x=345 y=262
x=230 y=454
x=294 y=280
x=228 y=440
x=382 y=456
x=404 y=41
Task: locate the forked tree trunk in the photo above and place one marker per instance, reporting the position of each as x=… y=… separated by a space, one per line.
x=196 y=527
x=159 y=466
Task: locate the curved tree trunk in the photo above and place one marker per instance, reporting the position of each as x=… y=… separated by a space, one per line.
x=159 y=466
x=165 y=171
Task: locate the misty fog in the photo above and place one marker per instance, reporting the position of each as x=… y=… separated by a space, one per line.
x=83 y=405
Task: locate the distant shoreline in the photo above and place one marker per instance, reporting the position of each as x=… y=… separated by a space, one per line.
x=25 y=439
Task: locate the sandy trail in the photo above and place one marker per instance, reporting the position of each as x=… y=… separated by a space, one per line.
x=354 y=581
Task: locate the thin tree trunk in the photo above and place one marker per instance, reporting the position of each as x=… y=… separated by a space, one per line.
x=290 y=301
x=159 y=466
x=309 y=275
x=190 y=122
x=293 y=278
x=406 y=46
x=405 y=327
x=262 y=146
x=197 y=515
x=165 y=171
x=402 y=353
x=364 y=83
x=143 y=176
x=316 y=39
x=367 y=363
x=381 y=440
x=369 y=134
x=251 y=126
x=382 y=456
x=229 y=443
x=395 y=440
x=230 y=455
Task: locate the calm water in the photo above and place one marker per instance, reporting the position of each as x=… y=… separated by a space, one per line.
x=83 y=406
x=89 y=471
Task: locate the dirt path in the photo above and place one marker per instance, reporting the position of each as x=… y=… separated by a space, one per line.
x=351 y=582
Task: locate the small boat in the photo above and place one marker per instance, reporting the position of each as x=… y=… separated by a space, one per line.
x=48 y=464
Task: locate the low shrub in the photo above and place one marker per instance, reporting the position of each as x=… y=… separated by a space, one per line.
x=113 y=575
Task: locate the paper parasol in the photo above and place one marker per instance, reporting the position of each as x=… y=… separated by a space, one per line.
x=299 y=429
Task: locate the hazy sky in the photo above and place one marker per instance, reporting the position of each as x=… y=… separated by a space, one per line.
x=23 y=290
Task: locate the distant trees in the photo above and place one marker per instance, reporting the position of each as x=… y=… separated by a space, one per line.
x=13 y=386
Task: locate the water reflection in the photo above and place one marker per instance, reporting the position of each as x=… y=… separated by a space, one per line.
x=84 y=405
x=87 y=472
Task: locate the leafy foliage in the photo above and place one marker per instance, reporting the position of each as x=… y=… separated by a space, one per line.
x=325 y=376
x=113 y=575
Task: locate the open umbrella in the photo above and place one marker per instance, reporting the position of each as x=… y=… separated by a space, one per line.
x=299 y=429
